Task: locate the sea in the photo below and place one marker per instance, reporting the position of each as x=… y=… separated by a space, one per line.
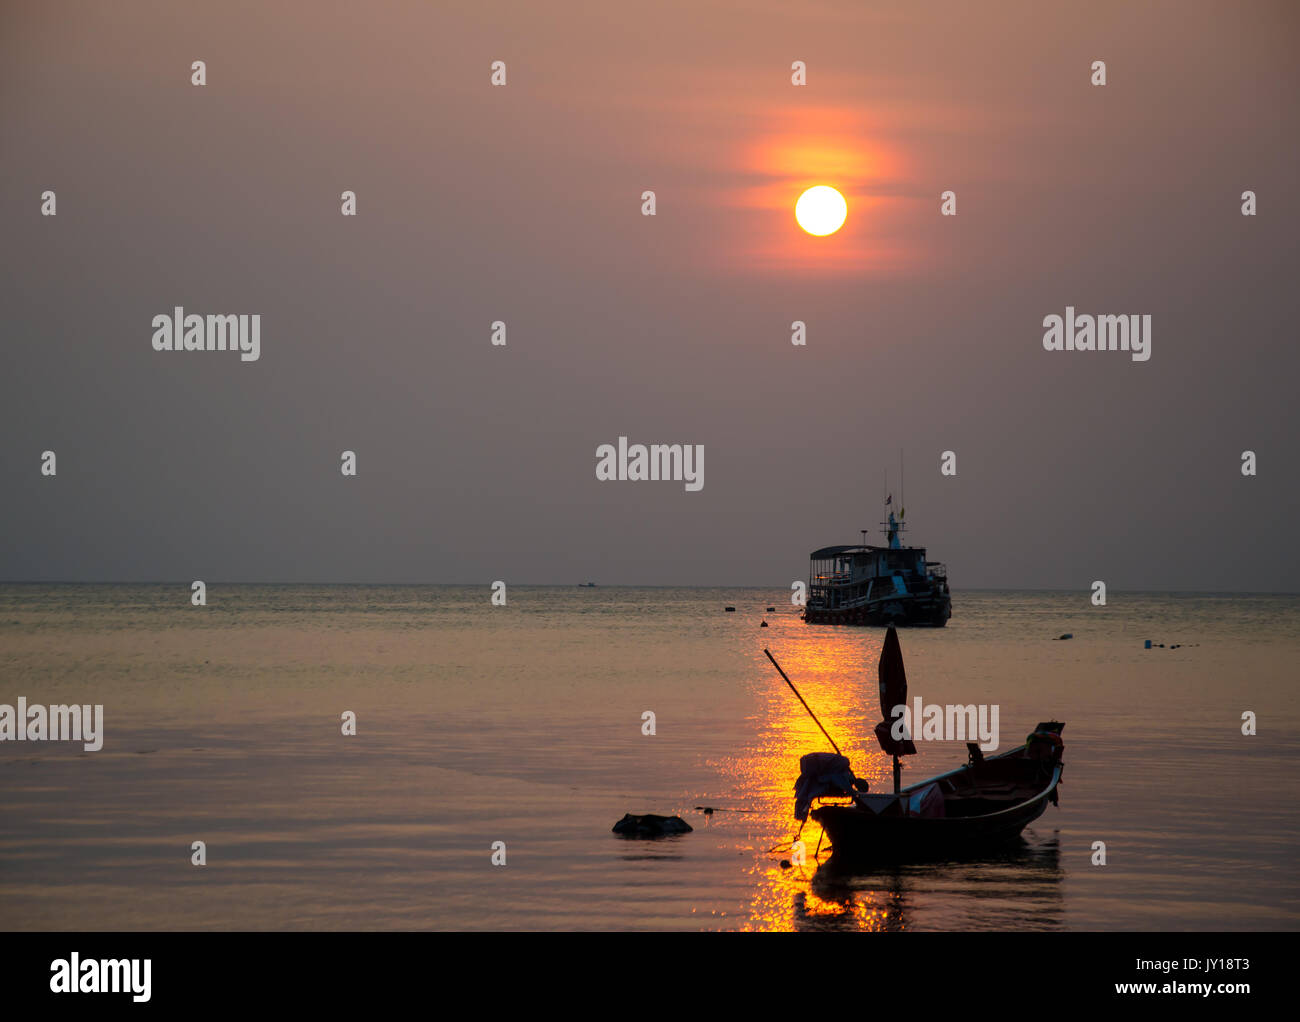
x=496 y=746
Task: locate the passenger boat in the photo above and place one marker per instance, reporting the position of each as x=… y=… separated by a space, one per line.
x=873 y=585
x=975 y=808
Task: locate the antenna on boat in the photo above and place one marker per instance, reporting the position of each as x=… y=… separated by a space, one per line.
x=801 y=699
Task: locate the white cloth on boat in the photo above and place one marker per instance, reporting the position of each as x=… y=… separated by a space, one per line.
x=821 y=773
x=927 y=802
x=876 y=802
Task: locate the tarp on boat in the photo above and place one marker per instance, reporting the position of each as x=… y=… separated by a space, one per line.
x=927 y=802
x=821 y=773
x=892 y=675
x=893 y=692
x=924 y=802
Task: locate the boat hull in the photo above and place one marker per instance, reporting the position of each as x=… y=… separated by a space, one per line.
x=923 y=612
x=858 y=835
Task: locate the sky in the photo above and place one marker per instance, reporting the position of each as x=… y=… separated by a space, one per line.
x=522 y=203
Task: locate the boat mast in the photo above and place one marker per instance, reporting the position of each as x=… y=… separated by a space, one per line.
x=893 y=527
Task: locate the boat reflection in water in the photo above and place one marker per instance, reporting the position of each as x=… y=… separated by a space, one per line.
x=1017 y=888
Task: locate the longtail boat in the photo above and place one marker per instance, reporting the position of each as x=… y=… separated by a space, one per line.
x=973 y=809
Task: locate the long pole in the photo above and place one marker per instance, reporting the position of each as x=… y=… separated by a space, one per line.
x=801 y=699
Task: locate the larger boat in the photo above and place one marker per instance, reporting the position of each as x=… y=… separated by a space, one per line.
x=874 y=585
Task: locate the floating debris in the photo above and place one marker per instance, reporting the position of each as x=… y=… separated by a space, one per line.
x=770 y=609
x=1067 y=635
x=763 y=625
x=730 y=610
x=650 y=825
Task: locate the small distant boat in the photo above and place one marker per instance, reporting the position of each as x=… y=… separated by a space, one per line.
x=976 y=808
x=586 y=585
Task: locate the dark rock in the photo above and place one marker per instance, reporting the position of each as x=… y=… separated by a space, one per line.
x=651 y=825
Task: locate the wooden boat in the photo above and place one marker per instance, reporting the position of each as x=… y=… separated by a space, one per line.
x=972 y=809
x=976 y=808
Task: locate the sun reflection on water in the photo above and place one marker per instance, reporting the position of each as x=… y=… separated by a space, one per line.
x=834 y=669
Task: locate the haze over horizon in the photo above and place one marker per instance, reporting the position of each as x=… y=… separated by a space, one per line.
x=522 y=204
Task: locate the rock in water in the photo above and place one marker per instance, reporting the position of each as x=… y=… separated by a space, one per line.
x=651 y=825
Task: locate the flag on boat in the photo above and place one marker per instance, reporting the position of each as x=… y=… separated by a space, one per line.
x=893 y=692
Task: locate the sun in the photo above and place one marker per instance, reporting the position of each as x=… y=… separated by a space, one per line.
x=821 y=210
